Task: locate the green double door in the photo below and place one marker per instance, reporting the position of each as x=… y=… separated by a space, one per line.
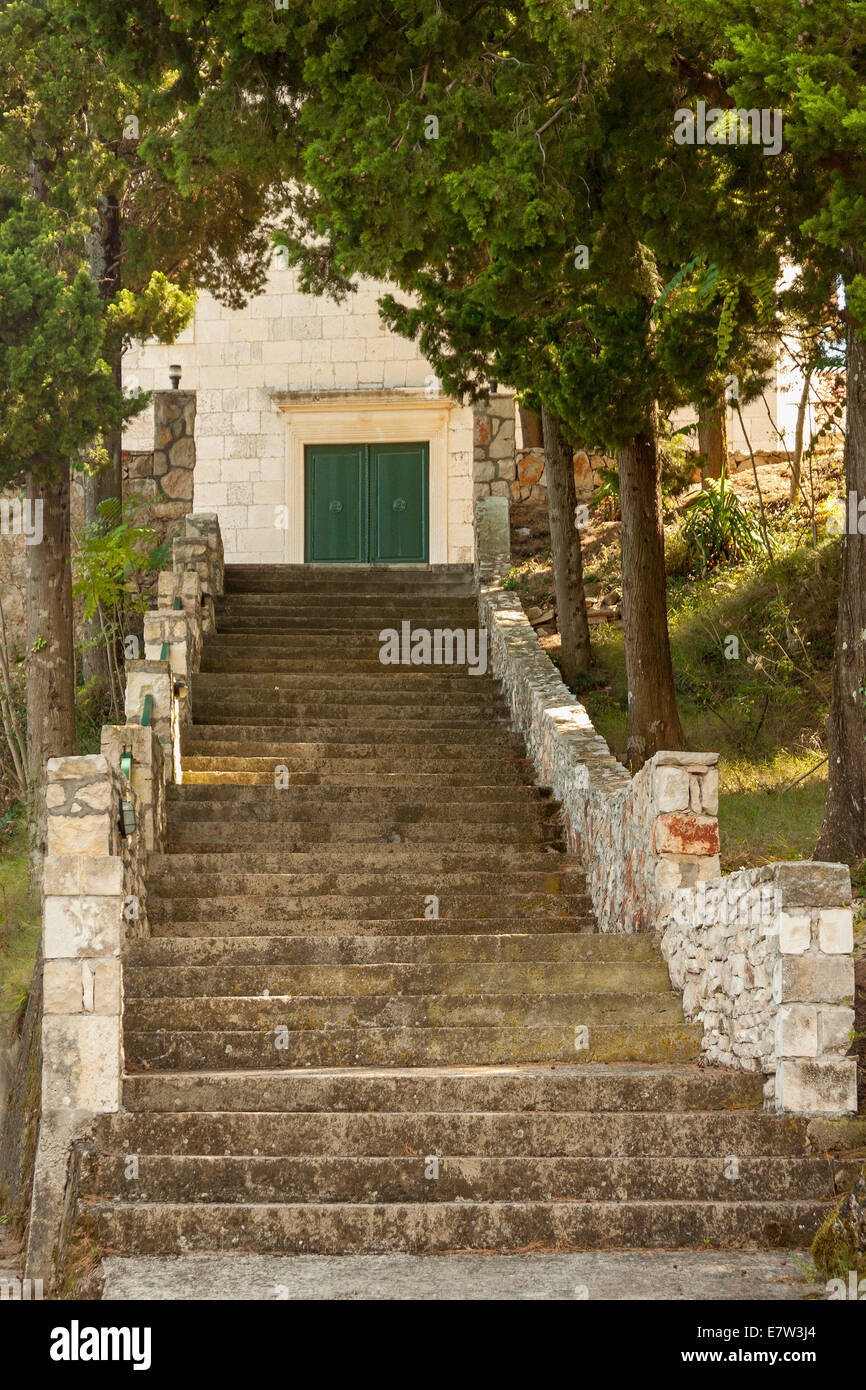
x=366 y=503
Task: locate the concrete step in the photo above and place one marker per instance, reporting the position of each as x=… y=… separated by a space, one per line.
x=412 y=730
x=321 y=576
x=282 y=663
x=626 y=1089
x=484 y=755
x=316 y=688
x=481 y=1133
x=500 y=803
x=563 y=1009
x=586 y=951
x=346 y=1228
x=411 y=1046
x=188 y=922
x=477 y=701
x=230 y=772
x=472 y=977
x=514 y=871
x=253 y=1179
x=408 y=906
x=194 y=833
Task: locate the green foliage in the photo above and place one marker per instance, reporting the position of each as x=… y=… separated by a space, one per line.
x=719 y=527
x=114 y=553
x=160 y=311
x=58 y=389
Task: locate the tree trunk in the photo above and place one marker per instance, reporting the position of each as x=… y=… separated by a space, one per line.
x=566 y=551
x=50 y=652
x=713 y=439
x=531 y=429
x=797 y=460
x=653 y=720
x=105 y=252
x=843 y=832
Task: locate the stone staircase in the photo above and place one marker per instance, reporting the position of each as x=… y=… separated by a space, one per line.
x=373 y=1013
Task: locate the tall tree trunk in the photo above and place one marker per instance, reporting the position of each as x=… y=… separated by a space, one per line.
x=105 y=252
x=799 y=431
x=713 y=439
x=531 y=429
x=50 y=652
x=653 y=720
x=565 y=548
x=843 y=832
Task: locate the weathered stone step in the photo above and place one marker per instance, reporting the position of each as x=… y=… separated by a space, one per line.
x=185 y=903
x=188 y=922
x=491 y=1133
x=412 y=730
x=626 y=1089
x=259 y=578
x=356 y=1228
x=348 y=617
x=563 y=1008
x=539 y=977
x=512 y=871
x=477 y=702
x=483 y=755
x=281 y=663
x=314 y=687
x=283 y=951
x=194 y=833
x=350 y=600
x=229 y=772
x=410 y=1046
x=512 y=798
x=256 y=1178
x=366 y=642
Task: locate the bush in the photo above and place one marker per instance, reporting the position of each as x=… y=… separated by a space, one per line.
x=718 y=527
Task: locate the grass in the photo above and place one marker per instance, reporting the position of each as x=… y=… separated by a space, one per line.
x=20 y=924
x=759 y=700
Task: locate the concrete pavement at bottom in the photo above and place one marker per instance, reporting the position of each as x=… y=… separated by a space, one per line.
x=659 y=1275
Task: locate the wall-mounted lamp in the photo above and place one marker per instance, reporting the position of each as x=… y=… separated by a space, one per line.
x=493 y=386
x=127 y=818
x=174 y=376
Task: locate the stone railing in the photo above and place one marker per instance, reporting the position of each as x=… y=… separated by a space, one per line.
x=106 y=812
x=769 y=974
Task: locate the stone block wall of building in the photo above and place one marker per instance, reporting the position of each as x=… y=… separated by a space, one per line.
x=238 y=361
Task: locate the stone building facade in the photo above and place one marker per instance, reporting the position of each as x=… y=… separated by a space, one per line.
x=291 y=373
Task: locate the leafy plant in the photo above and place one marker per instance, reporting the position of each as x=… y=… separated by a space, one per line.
x=719 y=527
x=114 y=552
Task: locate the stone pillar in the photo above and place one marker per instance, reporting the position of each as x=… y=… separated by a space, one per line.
x=684 y=813
x=147 y=773
x=494 y=466
x=492 y=539
x=180 y=633
x=155 y=678
x=94 y=896
x=204 y=526
x=813 y=989
x=173 y=453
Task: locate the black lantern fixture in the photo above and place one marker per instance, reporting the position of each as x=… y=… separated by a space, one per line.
x=493 y=386
x=174 y=376
x=127 y=818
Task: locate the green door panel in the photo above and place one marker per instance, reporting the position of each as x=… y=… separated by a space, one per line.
x=398 y=502
x=336 y=502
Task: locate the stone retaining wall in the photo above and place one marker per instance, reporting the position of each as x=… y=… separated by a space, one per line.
x=763 y=957
x=95 y=895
